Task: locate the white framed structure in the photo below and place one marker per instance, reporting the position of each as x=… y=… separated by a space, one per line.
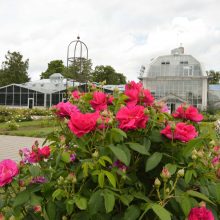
x=177 y=78
x=41 y=93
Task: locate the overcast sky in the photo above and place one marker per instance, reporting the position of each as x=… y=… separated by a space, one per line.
x=123 y=34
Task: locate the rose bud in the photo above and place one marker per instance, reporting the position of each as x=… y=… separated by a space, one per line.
x=157 y=183
x=181 y=173
x=37 y=209
x=165 y=174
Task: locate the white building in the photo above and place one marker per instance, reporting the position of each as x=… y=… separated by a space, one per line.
x=176 y=78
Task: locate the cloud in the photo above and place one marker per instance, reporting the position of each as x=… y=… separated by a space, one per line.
x=123 y=34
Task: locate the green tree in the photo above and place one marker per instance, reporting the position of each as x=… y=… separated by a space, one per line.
x=80 y=70
x=213 y=76
x=54 y=66
x=108 y=74
x=14 y=69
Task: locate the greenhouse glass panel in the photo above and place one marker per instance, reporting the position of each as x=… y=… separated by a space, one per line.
x=2 y=99
x=17 y=99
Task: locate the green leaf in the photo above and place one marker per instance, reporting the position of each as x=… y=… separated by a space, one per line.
x=155 y=136
x=81 y=203
x=132 y=213
x=106 y=158
x=153 y=161
x=199 y=195
x=101 y=179
x=139 y=148
x=118 y=135
x=188 y=176
x=185 y=205
x=51 y=210
x=34 y=170
x=171 y=167
x=102 y=162
x=147 y=144
x=195 y=143
x=126 y=199
x=69 y=206
x=21 y=198
x=95 y=203
x=65 y=157
x=58 y=194
x=109 y=199
x=120 y=154
x=161 y=212
x=110 y=177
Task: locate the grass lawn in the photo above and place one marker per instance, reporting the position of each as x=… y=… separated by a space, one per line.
x=37 y=128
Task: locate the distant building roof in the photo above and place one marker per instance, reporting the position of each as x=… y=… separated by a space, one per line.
x=215 y=87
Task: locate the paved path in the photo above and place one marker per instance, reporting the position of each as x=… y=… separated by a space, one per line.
x=9 y=146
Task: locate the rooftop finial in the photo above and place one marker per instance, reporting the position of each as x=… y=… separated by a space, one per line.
x=78 y=37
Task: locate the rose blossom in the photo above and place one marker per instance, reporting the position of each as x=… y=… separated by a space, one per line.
x=130 y=118
x=81 y=124
x=136 y=93
x=38 y=179
x=215 y=160
x=44 y=151
x=8 y=169
x=147 y=99
x=200 y=213
x=65 y=109
x=182 y=132
x=120 y=166
x=76 y=94
x=191 y=113
x=99 y=101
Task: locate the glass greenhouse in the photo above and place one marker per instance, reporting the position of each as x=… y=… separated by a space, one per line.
x=41 y=93
x=177 y=78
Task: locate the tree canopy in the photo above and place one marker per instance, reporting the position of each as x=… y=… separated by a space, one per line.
x=54 y=66
x=214 y=76
x=108 y=74
x=80 y=70
x=14 y=69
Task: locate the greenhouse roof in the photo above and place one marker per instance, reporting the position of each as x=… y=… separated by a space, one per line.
x=215 y=87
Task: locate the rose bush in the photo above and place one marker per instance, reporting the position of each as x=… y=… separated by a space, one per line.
x=116 y=157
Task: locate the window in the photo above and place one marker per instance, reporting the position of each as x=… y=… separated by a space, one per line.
x=183 y=62
x=164 y=63
x=188 y=70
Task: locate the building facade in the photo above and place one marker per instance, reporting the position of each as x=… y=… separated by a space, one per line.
x=177 y=78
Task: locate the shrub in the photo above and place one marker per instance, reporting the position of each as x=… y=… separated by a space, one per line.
x=12 y=125
x=128 y=159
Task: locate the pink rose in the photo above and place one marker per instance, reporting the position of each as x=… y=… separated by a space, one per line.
x=76 y=94
x=81 y=124
x=65 y=109
x=8 y=169
x=45 y=151
x=215 y=160
x=147 y=99
x=133 y=97
x=137 y=94
x=190 y=113
x=110 y=99
x=182 y=132
x=130 y=118
x=99 y=101
x=200 y=213
x=134 y=85
x=216 y=149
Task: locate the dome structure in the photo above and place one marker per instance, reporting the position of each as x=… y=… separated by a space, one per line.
x=176 y=78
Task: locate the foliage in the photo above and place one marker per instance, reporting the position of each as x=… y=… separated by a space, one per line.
x=54 y=66
x=22 y=114
x=12 y=125
x=214 y=76
x=14 y=69
x=108 y=74
x=115 y=166
x=80 y=70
